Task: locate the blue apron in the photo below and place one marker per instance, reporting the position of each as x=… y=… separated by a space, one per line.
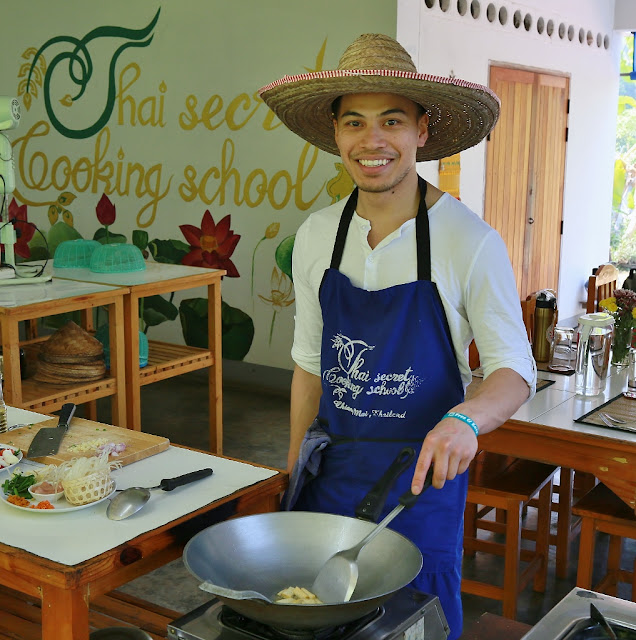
x=389 y=374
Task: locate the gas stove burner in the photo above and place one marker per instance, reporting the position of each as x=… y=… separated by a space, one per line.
x=238 y=622
x=570 y=619
x=590 y=630
x=408 y=613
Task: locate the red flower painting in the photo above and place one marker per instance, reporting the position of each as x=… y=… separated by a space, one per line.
x=106 y=211
x=23 y=228
x=212 y=245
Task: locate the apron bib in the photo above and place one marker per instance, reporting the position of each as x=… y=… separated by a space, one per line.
x=389 y=374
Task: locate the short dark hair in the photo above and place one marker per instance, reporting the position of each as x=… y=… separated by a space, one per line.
x=335 y=107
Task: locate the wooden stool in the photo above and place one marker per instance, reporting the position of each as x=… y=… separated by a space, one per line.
x=568 y=527
x=602 y=510
x=508 y=484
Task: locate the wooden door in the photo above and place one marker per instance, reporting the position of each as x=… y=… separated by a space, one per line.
x=525 y=165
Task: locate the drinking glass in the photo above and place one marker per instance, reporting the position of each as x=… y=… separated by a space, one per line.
x=562 y=350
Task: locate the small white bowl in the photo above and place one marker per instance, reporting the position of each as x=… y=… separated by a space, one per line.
x=51 y=497
x=18 y=455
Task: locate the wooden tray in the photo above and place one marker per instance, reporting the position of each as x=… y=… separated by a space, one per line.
x=139 y=445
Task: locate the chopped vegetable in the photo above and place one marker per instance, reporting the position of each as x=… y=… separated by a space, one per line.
x=81 y=467
x=114 y=449
x=90 y=445
x=44 y=504
x=18 y=484
x=19 y=501
x=23 y=502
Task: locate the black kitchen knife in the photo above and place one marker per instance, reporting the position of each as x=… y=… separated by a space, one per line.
x=47 y=440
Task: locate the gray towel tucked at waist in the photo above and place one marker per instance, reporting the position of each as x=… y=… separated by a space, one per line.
x=307 y=466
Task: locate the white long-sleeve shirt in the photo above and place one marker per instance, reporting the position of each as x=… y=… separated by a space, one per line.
x=469 y=264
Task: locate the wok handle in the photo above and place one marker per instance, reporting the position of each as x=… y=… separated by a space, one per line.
x=371 y=506
x=408 y=499
x=169 y=484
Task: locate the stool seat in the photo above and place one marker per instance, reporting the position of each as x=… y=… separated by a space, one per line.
x=601 y=510
x=508 y=484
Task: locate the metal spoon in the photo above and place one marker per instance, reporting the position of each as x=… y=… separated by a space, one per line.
x=337 y=579
x=233 y=594
x=130 y=500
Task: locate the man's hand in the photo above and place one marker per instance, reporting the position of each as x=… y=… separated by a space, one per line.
x=450 y=448
x=451 y=445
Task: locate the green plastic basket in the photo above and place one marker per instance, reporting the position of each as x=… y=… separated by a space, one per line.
x=117 y=258
x=74 y=254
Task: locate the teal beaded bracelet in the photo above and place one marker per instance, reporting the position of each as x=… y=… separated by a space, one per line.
x=460 y=416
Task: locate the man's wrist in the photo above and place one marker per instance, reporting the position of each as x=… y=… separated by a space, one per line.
x=463 y=418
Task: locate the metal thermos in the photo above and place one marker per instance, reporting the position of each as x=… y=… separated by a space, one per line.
x=630 y=281
x=543 y=325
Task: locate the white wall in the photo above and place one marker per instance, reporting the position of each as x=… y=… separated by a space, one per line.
x=446 y=43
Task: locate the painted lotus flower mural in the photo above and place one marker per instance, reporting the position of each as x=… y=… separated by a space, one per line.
x=23 y=228
x=211 y=245
x=280 y=296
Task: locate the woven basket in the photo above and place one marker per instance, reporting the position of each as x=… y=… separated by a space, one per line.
x=88 y=489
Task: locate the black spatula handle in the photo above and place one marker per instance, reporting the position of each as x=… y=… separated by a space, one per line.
x=172 y=483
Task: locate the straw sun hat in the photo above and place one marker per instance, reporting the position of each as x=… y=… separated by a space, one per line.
x=460 y=113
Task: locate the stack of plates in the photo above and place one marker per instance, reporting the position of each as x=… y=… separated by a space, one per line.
x=70 y=356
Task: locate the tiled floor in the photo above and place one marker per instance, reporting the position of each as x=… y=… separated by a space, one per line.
x=256 y=429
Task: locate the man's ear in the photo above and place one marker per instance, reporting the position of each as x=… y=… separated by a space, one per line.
x=423 y=128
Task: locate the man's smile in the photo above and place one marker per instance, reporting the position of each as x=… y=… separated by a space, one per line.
x=374 y=163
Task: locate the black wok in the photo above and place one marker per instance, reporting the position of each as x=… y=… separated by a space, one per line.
x=272 y=551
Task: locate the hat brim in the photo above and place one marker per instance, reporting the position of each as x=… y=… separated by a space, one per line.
x=461 y=113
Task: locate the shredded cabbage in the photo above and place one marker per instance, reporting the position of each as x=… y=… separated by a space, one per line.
x=81 y=467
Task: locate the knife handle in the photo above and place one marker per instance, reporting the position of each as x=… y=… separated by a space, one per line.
x=172 y=483
x=66 y=414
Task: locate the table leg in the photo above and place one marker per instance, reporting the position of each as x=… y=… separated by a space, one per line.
x=12 y=383
x=564 y=522
x=215 y=374
x=117 y=365
x=65 y=613
x=88 y=324
x=130 y=350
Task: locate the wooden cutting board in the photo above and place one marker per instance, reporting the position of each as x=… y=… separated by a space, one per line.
x=139 y=445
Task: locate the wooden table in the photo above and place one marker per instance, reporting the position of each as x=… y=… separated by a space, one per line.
x=25 y=302
x=166 y=360
x=544 y=430
x=493 y=627
x=67 y=591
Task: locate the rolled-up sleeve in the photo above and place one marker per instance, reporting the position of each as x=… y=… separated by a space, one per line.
x=494 y=312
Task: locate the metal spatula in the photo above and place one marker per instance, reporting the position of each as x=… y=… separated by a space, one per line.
x=337 y=579
x=600 y=619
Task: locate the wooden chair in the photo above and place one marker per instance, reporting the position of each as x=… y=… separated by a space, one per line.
x=507 y=484
x=601 y=510
x=567 y=527
x=601 y=285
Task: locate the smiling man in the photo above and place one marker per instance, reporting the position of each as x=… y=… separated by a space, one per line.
x=391 y=287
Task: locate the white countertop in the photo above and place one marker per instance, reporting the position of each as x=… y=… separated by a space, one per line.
x=559 y=406
x=55 y=535
x=154 y=272
x=20 y=295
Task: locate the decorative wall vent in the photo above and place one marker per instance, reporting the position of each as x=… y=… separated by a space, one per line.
x=498 y=15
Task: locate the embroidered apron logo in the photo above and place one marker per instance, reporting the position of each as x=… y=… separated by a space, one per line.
x=351 y=377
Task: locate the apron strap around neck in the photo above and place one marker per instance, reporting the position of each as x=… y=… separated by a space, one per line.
x=422 y=233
